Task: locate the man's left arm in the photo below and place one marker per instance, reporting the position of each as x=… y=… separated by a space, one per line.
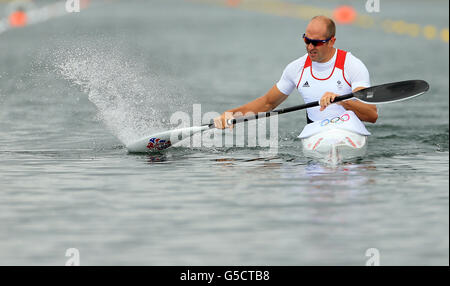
x=358 y=74
x=360 y=79
x=365 y=112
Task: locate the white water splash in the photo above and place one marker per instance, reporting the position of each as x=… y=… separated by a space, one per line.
x=131 y=102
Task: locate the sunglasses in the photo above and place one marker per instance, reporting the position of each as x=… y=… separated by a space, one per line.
x=315 y=43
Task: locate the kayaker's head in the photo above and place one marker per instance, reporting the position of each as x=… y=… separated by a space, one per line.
x=319 y=39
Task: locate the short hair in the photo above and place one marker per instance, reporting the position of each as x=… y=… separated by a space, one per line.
x=331 y=27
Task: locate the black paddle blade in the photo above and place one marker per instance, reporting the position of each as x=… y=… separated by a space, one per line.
x=391 y=92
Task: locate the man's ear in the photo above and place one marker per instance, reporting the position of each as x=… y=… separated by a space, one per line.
x=333 y=40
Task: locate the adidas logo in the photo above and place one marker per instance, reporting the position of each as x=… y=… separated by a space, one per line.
x=306 y=84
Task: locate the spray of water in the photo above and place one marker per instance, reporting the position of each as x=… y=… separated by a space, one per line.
x=131 y=101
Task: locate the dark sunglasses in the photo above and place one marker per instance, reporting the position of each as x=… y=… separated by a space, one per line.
x=315 y=43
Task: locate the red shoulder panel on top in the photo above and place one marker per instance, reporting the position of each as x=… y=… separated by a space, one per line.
x=308 y=63
x=340 y=59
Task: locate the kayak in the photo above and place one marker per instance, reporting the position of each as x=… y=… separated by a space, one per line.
x=335 y=146
x=335 y=140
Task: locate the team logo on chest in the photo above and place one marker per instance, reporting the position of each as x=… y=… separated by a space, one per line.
x=306 y=84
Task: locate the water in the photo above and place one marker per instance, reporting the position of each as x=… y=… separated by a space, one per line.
x=75 y=89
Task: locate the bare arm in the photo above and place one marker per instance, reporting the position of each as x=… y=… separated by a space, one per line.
x=365 y=112
x=267 y=102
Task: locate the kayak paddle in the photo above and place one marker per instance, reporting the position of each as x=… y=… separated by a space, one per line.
x=379 y=94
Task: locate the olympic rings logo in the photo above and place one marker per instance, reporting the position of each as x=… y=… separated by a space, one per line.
x=335 y=120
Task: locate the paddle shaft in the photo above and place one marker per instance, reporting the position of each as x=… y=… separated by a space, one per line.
x=385 y=93
x=285 y=110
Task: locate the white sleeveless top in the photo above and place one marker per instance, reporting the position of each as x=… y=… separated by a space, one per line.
x=346 y=74
x=312 y=87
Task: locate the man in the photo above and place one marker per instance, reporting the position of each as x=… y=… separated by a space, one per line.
x=323 y=73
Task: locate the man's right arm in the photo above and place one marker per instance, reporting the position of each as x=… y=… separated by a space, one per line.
x=267 y=102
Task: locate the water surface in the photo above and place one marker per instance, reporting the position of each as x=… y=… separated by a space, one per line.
x=75 y=89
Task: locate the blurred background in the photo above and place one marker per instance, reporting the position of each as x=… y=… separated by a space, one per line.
x=75 y=87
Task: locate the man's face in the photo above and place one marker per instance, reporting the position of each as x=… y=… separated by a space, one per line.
x=316 y=30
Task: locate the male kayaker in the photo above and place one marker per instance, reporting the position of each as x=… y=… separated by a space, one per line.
x=323 y=73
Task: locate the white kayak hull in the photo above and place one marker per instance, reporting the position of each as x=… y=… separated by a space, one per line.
x=163 y=140
x=335 y=145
